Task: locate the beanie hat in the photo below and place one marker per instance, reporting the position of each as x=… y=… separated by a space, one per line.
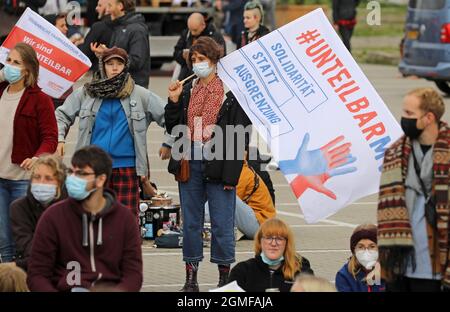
x=370 y=234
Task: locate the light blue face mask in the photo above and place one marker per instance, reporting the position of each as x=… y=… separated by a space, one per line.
x=202 y=70
x=12 y=73
x=43 y=193
x=76 y=188
x=270 y=262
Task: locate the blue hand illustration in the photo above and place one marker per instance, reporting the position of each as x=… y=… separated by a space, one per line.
x=319 y=161
x=317 y=183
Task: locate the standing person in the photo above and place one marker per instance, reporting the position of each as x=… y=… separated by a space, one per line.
x=60 y=22
x=198 y=106
x=253 y=203
x=355 y=275
x=54 y=7
x=35 y=4
x=344 y=18
x=275 y=265
x=197 y=27
x=234 y=10
x=253 y=22
x=114 y=115
x=100 y=32
x=130 y=32
x=413 y=206
x=28 y=131
x=89 y=231
x=47 y=187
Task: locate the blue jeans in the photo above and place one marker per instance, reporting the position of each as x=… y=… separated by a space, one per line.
x=193 y=195
x=10 y=190
x=245 y=219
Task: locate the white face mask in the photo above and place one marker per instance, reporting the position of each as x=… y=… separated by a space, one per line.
x=202 y=70
x=367 y=258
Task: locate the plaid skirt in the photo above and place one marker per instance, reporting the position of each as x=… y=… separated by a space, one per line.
x=125 y=182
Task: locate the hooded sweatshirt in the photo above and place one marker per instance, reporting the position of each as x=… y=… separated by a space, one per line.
x=130 y=32
x=73 y=248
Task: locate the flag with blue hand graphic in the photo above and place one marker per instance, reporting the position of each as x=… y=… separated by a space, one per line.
x=313 y=168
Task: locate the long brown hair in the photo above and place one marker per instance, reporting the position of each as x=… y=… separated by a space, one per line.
x=30 y=63
x=276 y=227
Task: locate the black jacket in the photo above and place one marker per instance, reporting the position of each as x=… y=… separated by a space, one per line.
x=262 y=31
x=185 y=42
x=344 y=9
x=130 y=32
x=35 y=4
x=227 y=170
x=24 y=215
x=101 y=32
x=254 y=275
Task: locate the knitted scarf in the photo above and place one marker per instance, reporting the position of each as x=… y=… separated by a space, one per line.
x=119 y=86
x=395 y=242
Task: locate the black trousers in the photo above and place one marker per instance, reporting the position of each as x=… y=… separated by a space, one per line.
x=346 y=35
x=406 y=284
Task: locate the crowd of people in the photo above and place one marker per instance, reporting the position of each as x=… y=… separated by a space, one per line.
x=73 y=228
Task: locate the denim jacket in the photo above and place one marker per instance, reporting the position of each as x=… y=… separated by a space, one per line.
x=141 y=108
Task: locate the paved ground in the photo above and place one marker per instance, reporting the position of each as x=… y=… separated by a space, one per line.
x=325 y=244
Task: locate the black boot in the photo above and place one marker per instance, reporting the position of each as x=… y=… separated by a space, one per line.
x=224 y=271
x=191 y=284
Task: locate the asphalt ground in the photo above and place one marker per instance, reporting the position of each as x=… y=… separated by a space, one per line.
x=325 y=244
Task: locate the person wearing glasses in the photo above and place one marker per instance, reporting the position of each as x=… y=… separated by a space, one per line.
x=47 y=187
x=253 y=22
x=362 y=272
x=114 y=114
x=276 y=263
x=89 y=240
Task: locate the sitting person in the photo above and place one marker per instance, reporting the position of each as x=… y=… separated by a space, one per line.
x=361 y=272
x=89 y=239
x=275 y=265
x=47 y=181
x=311 y=283
x=253 y=202
x=12 y=278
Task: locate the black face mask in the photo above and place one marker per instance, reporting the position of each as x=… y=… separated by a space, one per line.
x=409 y=126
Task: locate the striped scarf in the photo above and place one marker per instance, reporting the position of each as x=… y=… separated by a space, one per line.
x=395 y=242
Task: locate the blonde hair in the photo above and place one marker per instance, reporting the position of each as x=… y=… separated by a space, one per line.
x=276 y=227
x=56 y=165
x=430 y=101
x=311 y=283
x=354 y=267
x=30 y=63
x=12 y=278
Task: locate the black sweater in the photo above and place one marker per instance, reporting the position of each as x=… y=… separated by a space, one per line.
x=227 y=170
x=254 y=275
x=25 y=213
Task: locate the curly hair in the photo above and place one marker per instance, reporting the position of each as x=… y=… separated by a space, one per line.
x=56 y=165
x=430 y=101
